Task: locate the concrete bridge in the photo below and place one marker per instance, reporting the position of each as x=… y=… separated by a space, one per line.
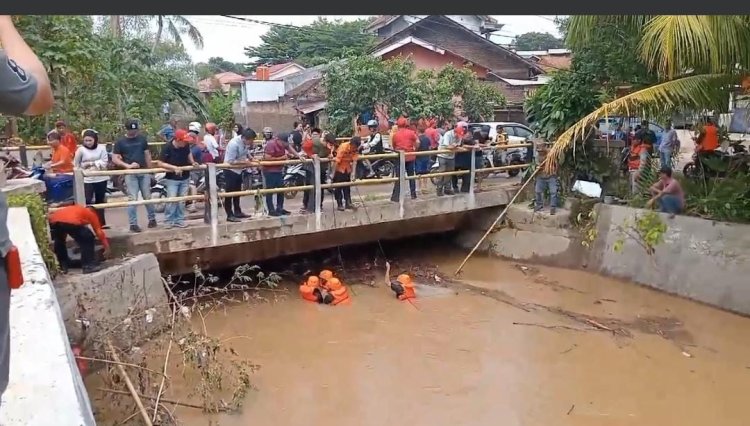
x=230 y=244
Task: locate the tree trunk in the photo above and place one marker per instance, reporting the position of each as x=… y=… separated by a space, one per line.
x=114 y=23
x=157 y=39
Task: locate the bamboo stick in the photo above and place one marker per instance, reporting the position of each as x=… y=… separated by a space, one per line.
x=129 y=384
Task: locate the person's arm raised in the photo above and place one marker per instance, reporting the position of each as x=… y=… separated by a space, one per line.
x=21 y=64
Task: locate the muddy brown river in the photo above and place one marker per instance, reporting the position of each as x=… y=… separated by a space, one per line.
x=525 y=345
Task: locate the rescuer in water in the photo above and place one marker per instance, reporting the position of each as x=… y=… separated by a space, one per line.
x=403 y=286
x=312 y=291
x=338 y=291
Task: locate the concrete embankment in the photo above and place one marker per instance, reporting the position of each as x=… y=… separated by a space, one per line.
x=703 y=260
x=45 y=387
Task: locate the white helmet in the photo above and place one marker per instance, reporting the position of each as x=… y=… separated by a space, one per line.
x=194 y=127
x=372 y=123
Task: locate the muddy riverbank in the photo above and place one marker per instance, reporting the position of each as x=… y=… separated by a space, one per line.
x=509 y=344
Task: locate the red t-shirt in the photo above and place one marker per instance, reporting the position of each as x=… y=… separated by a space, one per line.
x=434 y=136
x=405 y=140
x=69 y=141
x=274 y=148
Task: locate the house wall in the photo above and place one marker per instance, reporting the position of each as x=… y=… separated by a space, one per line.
x=280 y=115
x=427 y=59
x=263 y=90
x=286 y=72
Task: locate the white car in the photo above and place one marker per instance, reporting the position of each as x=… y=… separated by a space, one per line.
x=517 y=132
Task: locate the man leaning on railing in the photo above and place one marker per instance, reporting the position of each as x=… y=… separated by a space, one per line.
x=131 y=152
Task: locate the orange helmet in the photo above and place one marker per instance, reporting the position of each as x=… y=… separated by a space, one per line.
x=326 y=274
x=313 y=281
x=334 y=284
x=211 y=128
x=405 y=280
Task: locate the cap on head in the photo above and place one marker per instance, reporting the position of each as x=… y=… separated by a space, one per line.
x=267 y=129
x=60 y=123
x=372 y=123
x=283 y=137
x=53 y=135
x=401 y=122
x=183 y=136
x=194 y=127
x=313 y=281
x=405 y=280
x=334 y=284
x=462 y=124
x=131 y=124
x=326 y=274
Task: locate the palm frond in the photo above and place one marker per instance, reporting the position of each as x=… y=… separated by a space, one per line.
x=673 y=44
x=581 y=28
x=708 y=91
x=188 y=28
x=173 y=31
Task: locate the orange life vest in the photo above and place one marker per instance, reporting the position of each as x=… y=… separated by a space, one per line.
x=403 y=287
x=325 y=275
x=310 y=290
x=634 y=159
x=338 y=291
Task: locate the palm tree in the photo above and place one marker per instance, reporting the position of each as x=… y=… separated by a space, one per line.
x=176 y=26
x=699 y=59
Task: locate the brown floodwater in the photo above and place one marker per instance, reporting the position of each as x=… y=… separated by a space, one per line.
x=539 y=346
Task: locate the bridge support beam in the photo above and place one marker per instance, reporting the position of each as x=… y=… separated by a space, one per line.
x=318 y=193
x=401 y=183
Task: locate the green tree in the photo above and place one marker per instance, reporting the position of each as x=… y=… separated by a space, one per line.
x=216 y=65
x=220 y=109
x=537 y=41
x=314 y=44
x=698 y=60
x=176 y=27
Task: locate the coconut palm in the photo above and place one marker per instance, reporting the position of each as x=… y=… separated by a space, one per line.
x=699 y=59
x=176 y=26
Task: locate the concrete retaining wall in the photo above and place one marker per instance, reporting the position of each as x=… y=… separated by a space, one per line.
x=45 y=387
x=703 y=260
x=128 y=297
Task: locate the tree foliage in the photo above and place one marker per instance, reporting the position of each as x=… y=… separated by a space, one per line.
x=393 y=87
x=99 y=80
x=217 y=65
x=220 y=110
x=537 y=41
x=310 y=45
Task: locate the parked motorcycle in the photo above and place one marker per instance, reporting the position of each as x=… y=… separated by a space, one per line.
x=382 y=167
x=294 y=176
x=719 y=163
x=13 y=168
x=159 y=191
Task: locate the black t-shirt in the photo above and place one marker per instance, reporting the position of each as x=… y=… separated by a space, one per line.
x=132 y=150
x=424 y=143
x=297 y=139
x=170 y=154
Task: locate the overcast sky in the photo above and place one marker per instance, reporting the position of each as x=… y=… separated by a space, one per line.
x=228 y=37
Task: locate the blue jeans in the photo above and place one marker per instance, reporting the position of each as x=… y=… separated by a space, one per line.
x=135 y=184
x=540 y=185
x=409 y=166
x=274 y=180
x=174 y=213
x=665 y=158
x=669 y=203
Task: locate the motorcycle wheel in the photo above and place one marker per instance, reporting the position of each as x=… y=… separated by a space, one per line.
x=691 y=171
x=385 y=169
x=159 y=194
x=290 y=194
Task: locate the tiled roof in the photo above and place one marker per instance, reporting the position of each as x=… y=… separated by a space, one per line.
x=206 y=85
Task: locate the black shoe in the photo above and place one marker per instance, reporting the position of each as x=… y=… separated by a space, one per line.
x=414 y=196
x=350 y=207
x=152 y=223
x=241 y=215
x=89 y=269
x=105 y=226
x=552 y=211
x=135 y=228
x=450 y=192
x=63 y=269
x=283 y=212
x=233 y=219
x=394 y=200
x=340 y=208
x=274 y=214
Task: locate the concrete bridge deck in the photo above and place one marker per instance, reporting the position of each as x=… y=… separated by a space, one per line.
x=257 y=239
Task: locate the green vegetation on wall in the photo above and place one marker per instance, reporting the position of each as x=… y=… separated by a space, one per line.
x=38 y=216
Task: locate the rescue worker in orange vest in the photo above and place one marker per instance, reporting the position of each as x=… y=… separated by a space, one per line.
x=324 y=276
x=403 y=286
x=338 y=291
x=708 y=138
x=637 y=160
x=312 y=291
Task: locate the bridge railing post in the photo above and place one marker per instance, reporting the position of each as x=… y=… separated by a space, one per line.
x=211 y=204
x=401 y=183
x=22 y=154
x=317 y=193
x=79 y=190
x=472 y=175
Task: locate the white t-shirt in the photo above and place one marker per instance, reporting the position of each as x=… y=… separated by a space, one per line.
x=211 y=145
x=98 y=156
